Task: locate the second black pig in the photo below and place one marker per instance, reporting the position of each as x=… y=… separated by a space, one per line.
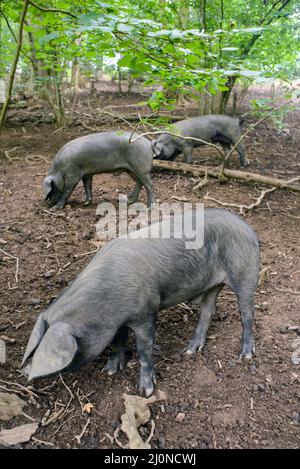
x=102 y=152
x=212 y=128
x=130 y=280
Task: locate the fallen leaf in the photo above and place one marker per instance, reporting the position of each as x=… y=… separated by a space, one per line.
x=88 y=407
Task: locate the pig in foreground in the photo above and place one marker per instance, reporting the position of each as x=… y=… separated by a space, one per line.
x=212 y=128
x=130 y=280
x=102 y=152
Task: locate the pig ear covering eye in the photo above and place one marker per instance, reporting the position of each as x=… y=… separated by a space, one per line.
x=156 y=148
x=48 y=187
x=55 y=352
x=36 y=336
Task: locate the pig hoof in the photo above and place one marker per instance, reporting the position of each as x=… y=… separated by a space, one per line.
x=87 y=202
x=132 y=200
x=188 y=352
x=245 y=357
x=113 y=366
x=147 y=383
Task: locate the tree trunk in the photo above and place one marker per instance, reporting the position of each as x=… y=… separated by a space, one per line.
x=14 y=65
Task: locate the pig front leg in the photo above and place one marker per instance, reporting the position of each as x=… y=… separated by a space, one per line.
x=187 y=151
x=87 y=182
x=117 y=356
x=241 y=152
x=70 y=184
x=144 y=340
x=208 y=307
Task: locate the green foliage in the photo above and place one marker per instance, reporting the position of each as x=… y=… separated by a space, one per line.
x=188 y=45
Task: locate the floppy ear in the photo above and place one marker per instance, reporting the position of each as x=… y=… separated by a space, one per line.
x=35 y=338
x=156 y=147
x=55 y=352
x=48 y=187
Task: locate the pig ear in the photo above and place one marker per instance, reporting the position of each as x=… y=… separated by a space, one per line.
x=156 y=147
x=55 y=352
x=35 y=338
x=48 y=186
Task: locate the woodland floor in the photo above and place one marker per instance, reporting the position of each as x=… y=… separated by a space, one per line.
x=227 y=404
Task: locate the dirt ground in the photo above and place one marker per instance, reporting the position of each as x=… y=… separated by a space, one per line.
x=227 y=404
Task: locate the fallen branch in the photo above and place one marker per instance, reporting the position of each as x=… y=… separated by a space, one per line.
x=230 y=173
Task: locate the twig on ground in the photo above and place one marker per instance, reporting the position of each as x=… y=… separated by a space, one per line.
x=42 y=442
x=151 y=431
x=288 y=290
x=7 y=339
x=17 y=263
x=77 y=256
x=262 y=275
x=7 y=154
x=54 y=213
x=201 y=183
x=20 y=386
x=78 y=437
x=242 y=208
x=180 y=199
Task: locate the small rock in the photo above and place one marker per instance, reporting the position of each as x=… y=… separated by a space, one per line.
x=283 y=330
x=255 y=387
x=203 y=445
x=177 y=357
x=48 y=274
x=252 y=369
x=264 y=443
x=88 y=235
x=35 y=301
x=180 y=417
x=261 y=387
x=169 y=409
x=115 y=423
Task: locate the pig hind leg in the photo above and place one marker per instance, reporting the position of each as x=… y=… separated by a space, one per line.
x=134 y=194
x=226 y=148
x=87 y=182
x=245 y=298
x=117 y=356
x=145 y=179
x=208 y=307
x=144 y=333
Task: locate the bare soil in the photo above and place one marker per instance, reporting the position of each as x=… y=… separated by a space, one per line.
x=227 y=404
